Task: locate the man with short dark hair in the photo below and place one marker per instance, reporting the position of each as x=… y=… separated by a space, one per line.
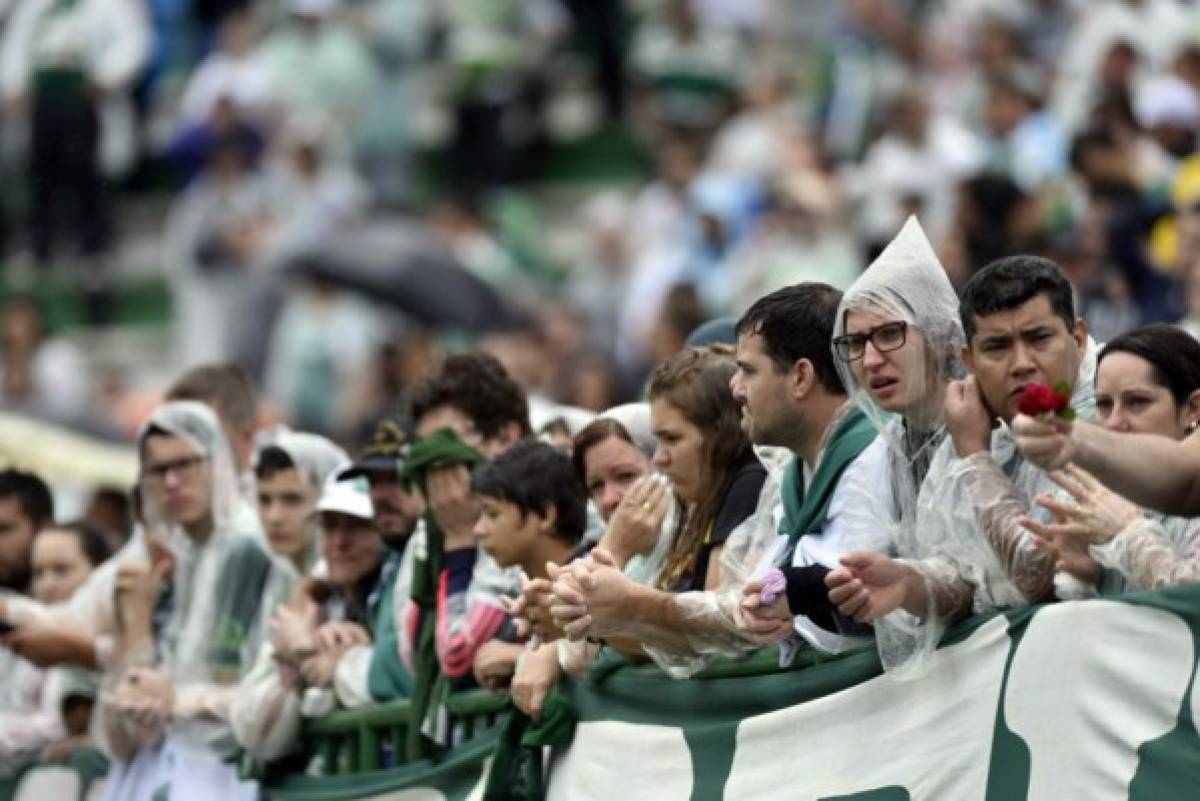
x=1019 y=320
x=26 y=507
x=396 y=509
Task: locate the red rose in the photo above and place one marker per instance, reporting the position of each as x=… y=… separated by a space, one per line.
x=1038 y=399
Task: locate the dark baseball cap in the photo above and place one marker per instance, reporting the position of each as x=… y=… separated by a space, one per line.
x=387 y=448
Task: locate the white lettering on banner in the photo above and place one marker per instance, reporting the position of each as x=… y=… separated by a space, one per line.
x=1079 y=672
x=923 y=734
x=610 y=759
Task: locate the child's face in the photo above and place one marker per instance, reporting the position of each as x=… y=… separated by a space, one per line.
x=504 y=532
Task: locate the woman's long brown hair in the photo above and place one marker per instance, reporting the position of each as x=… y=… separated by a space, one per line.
x=696 y=382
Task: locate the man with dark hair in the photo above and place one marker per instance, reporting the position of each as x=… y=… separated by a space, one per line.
x=1008 y=283
x=396 y=509
x=533 y=511
x=26 y=507
x=468 y=411
x=1021 y=330
x=366 y=677
x=473 y=395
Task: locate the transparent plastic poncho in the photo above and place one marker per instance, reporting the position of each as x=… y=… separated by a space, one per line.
x=315 y=458
x=907 y=283
x=969 y=510
x=709 y=624
x=223 y=592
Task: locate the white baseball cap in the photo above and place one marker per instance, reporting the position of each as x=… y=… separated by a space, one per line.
x=349 y=496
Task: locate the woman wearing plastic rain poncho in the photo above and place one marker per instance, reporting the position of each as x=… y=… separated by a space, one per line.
x=896 y=344
x=290 y=469
x=972 y=553
x=189 y=623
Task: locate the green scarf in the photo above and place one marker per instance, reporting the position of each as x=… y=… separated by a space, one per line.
x=429 y=686
x=387 y=678
x=806 y=508
x=516 y=772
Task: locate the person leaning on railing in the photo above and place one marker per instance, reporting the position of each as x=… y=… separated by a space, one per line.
x=295 y=675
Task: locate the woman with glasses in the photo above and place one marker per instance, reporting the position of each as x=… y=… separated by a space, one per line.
x=190 y=619
x=896 y=343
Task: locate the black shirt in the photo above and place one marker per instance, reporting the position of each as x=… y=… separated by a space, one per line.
x=740 y=501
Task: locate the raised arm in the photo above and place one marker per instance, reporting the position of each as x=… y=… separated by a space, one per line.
x=1152 y=471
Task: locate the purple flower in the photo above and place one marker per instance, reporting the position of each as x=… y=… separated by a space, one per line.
x=773 y=585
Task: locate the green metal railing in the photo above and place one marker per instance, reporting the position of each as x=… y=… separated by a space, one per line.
x=373 y=737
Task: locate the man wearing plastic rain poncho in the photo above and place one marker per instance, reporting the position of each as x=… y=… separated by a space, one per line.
x=80 y=632
x=791 y=398
x=290 y=469
x=296 y=674
x=1019 y=322
x=189 y=622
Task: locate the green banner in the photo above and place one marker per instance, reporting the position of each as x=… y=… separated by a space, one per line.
x=1088 y=700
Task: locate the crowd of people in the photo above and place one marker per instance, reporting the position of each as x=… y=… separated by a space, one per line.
x=775 y=395
x=832 y=470
x=286 y=152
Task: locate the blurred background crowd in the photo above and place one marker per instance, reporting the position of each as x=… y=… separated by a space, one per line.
x=332 y=193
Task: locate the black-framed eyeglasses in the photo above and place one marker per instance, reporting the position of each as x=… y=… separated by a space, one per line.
x=884 y=338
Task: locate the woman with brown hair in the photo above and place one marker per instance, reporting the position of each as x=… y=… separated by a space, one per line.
x=707 y=457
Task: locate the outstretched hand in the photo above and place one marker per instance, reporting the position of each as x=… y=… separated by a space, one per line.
x=1047 y=443
x=869 y=585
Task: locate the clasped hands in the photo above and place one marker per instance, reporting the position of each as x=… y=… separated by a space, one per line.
x=306 y=651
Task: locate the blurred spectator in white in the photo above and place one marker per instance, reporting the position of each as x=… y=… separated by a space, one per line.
x=658 y=246
x=599 y=281
x=912 y=169
x=801 y=237
x=686 y=73
x=72 y=64
x=1156 y=29
x=321 y=67
x=213 y=234
x=1168 y=109
x=313 y=191
x=230 y=71
x=866 y=61
x=319 y=363
x=40 y=375
x=723 y=209
x=752 y=142
x=1023 y=140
